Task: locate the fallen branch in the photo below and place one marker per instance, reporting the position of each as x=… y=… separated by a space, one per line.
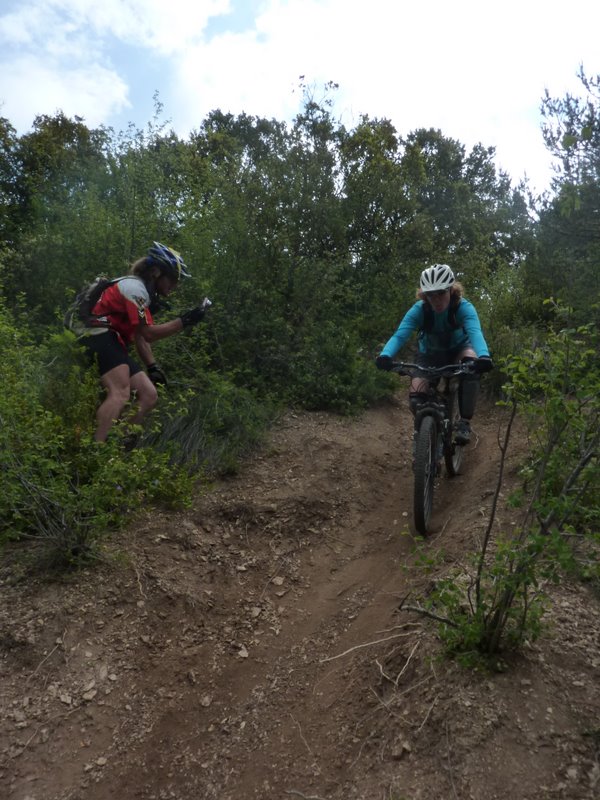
x=450 y=767
x=54 y=649
x=365 y=644
x=426 y=613
x=312 y=755
x=430 y=709
x=403 y=670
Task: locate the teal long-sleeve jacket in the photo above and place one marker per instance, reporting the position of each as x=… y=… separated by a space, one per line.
x=444 y=337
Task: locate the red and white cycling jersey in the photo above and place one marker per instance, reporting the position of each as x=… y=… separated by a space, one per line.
x=122 y=307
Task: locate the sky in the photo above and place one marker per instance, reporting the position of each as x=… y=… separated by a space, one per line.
x=475 y=69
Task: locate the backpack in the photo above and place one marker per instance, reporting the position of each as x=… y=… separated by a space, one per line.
x=79 y=317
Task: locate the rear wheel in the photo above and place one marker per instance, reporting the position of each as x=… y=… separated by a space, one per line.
x=453 y=453
x=425 y=472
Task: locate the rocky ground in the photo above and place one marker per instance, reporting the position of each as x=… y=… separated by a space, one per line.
x=254 y=647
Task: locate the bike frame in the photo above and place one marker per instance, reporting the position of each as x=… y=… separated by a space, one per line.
x=433 y=440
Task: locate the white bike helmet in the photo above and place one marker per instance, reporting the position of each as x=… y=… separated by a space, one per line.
x=436 y=278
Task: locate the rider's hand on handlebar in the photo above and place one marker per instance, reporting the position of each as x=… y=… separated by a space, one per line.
x=483 y=364
x=384 y=362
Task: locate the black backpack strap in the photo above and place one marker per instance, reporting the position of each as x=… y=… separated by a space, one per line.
x=428 y=314
x=427 y=317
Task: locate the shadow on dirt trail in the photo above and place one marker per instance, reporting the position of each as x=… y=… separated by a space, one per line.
x=253 y=648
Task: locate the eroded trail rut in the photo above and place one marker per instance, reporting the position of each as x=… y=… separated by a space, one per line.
x=253 y=648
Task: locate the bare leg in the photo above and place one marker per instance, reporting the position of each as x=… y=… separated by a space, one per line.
x=147 y=396
x=116 y=383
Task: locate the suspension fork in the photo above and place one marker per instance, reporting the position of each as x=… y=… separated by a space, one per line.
x=436 y=410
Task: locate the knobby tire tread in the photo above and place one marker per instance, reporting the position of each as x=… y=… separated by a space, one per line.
x=424 y=474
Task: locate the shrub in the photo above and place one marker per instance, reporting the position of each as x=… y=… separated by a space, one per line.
x=60 y=488
x=208 y=426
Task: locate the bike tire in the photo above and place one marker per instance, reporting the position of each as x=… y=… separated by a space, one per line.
x=425 y=470
x=453 y=453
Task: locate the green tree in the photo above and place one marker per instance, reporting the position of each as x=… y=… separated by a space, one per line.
x=11 y=185
x=61 y=218
x=565 y=264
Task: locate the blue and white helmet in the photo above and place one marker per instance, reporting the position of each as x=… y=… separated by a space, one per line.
x=169 y=261
x=437 y=278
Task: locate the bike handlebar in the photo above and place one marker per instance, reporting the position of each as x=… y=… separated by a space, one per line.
x=445 y=371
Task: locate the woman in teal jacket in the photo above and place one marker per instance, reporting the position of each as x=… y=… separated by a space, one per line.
x=448 y=331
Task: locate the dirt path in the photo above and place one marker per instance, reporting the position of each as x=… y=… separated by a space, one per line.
x=253 y=647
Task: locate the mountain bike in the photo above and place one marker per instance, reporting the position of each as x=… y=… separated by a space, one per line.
x=434 y=432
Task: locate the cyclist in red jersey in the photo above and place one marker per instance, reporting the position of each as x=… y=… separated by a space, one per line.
x=122 y=317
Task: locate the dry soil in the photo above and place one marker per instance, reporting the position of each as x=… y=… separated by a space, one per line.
x=253 y=647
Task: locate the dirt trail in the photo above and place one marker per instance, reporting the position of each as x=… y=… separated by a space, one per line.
x=253 y=647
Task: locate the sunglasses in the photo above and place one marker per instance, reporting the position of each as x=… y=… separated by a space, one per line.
x=438 y=293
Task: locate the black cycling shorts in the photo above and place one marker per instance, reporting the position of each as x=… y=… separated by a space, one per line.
x=109 y=353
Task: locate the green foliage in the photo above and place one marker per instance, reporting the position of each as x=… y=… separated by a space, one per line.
x=286 y=227
x=564 y=264
x=330 y=372
x=208 y=427
x=60 y=488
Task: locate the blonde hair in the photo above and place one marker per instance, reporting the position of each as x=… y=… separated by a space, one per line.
x=456 y=292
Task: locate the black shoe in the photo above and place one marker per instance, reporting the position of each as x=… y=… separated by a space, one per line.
x=130 y=441
x=462 y=435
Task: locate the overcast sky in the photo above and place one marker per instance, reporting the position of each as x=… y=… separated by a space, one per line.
x=474 y=69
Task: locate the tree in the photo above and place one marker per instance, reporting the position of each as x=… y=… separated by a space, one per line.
x=11 y=185
x=566 y=263
x=61 y=217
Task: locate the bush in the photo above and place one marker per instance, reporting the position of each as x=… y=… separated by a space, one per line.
x=60 y=488
x=207 y=427
x=331 y=373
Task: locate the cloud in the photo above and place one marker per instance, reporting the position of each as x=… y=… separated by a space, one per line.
x=163 y=25
x=91 y=92
x=56 y=54
x=476 y=71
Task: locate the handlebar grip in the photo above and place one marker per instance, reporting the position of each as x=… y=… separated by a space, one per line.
x=384 y=362
x=483 y=364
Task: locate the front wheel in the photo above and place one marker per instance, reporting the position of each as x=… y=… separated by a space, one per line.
x=425 y=470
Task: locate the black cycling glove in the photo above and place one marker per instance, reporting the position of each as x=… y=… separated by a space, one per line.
x=384 y=362
x=156 y=374
x=195 y=315
x=483 y=364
